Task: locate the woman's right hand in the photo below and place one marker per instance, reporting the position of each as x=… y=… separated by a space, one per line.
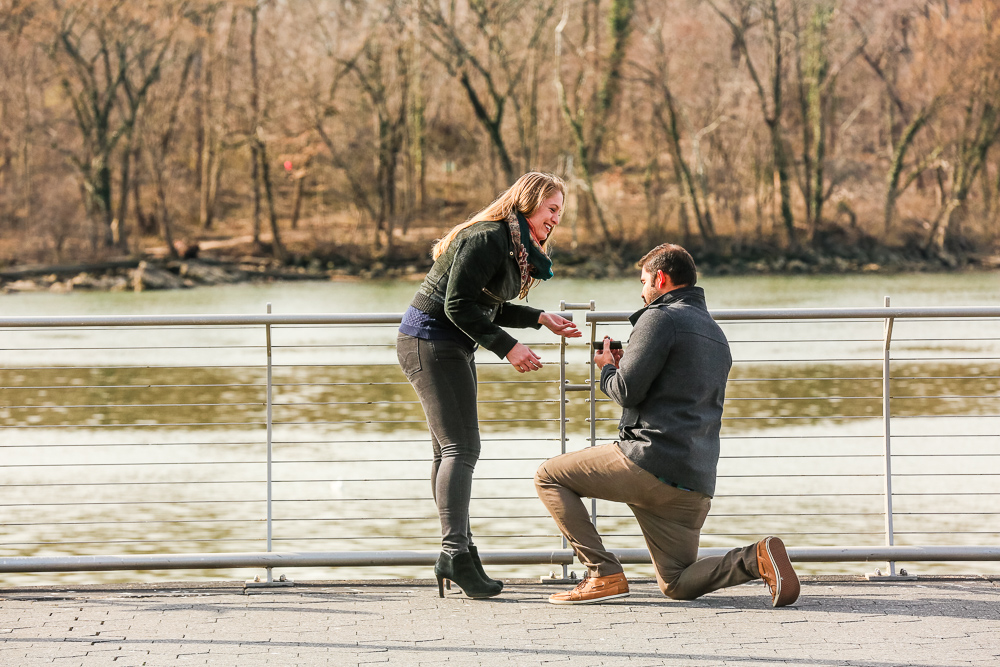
x=523 y=359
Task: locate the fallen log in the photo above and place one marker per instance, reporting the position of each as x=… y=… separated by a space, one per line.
x=19 y=272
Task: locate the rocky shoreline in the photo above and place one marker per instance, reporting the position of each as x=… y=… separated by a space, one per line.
x=137 y=275
x=863 y=257
x=143 y=275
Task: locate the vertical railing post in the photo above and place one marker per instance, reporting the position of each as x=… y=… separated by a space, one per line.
x=269 y=422
x=886 y=433
x=593 y=404
x=564 y=387
x=562 y=415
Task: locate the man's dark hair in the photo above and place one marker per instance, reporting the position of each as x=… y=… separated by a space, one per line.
x=674 y=261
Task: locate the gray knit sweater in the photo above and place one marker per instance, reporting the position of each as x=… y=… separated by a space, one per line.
x=671 y=384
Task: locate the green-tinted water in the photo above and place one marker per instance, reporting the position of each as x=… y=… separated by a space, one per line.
x=153 y=440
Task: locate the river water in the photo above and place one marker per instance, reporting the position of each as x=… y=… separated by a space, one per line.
x=153 y=440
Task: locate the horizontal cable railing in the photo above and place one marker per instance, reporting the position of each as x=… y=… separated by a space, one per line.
x=212 y=442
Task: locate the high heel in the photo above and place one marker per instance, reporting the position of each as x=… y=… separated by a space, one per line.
x=462 y=570
x=474 y=552
x=447 y=584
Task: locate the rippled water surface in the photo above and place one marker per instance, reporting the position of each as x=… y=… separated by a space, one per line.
x=154 y=440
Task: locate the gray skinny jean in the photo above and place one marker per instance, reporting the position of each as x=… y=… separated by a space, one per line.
x=443 y=373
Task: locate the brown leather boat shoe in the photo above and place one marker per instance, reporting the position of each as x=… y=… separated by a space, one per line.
x=776 y=570
x=594 y=589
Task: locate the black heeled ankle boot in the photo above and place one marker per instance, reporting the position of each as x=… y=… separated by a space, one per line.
x=474 y=552
x=462 y=570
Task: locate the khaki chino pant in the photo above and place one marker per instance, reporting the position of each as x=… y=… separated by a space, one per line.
x=670 y=519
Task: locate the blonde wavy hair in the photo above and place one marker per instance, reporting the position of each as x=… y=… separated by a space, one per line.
x=525 y=196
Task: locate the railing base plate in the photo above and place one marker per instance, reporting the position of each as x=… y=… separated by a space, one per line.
x=874 y=576
x=257 y=582
x=552 y=578
x=250 y=583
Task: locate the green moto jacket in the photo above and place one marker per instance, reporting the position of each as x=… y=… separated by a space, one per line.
x=471 y=283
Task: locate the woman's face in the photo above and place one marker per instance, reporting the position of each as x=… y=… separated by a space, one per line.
x=545 y=218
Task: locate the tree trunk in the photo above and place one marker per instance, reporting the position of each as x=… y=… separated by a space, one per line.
x=102 y=200
x=493 y=127
x=297 y=203
x=387 y=208
x=144 y=223
x=652 y=189
x=938 y=237
x=121 y=217
x=583 y=151
x=163 y=212
x=212 y=161
x=255 y=153
x=277 y=247
x=206 y=203
x=784 y=186
x=985 y=185
x=206 y=135
x=255 y=191
x=686 y=180
x=818 y=158
x=896 y=168
x=620 y=17
x=682 y=210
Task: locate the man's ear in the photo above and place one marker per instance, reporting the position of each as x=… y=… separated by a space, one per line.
x=662 y=280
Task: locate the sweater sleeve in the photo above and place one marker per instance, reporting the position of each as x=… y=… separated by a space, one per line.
x=477 y=258
x=518 y=316
x=647 y=352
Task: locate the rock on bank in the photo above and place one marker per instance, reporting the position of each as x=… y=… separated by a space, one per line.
x=141 y=275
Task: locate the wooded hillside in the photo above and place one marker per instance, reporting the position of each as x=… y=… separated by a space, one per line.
x=365 y=127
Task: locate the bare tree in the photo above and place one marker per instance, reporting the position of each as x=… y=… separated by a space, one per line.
x=817 y=79
x=212 y=135
x=909 y=109
x=589 y=117
x=162 y=132
x=15 y=118
x=260 y=169
x=476 y=45
x=980 y=130
x=373 y=71
x=108 y=56
x=656 y=77
x=175 y=114
x=368 y=74
x=746 y=15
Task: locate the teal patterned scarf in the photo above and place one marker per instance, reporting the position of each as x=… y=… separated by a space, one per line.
x=541 y=265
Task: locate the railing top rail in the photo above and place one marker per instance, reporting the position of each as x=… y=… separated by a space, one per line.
x=205 y=320
x=395 y=318
x=199 y=320
x=731 y=314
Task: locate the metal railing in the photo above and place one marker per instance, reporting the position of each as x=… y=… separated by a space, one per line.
x=133 y=443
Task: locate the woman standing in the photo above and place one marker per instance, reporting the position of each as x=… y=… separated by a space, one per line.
x=479 y=266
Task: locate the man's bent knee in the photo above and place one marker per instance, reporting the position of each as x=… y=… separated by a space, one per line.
x=542 y=477
x=539 y=474
x=671 y=587
x=675 y=592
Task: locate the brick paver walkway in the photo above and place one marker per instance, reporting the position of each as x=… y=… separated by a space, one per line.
x=931 y=622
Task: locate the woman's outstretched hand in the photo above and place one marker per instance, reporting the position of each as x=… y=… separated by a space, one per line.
x=523 y=359
x=560 y=326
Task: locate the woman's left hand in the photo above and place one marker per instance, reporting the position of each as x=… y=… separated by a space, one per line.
x=560 y=326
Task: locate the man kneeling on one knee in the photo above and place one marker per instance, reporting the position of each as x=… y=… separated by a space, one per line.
x=670 y=382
